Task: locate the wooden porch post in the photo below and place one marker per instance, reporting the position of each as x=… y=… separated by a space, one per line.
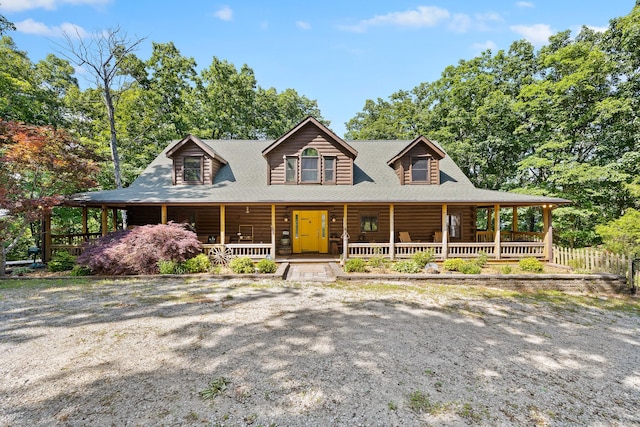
x=392 y=233
x=496 y=228
x=114 y=216
x=548 y=233
x=222 y=222
x=46 y=230
x=273 y=231
x=85 y=216
x=104 y=223
x=163 y=214
x=514 y=223
x=445 y=232
x=345 y=236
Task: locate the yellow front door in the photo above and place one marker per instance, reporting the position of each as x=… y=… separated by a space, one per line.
x=310 y=232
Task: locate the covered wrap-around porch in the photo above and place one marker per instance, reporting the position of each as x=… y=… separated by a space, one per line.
x=344 y=231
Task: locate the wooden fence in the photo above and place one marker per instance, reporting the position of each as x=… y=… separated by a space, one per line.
x=592 y=260
x=596 y=261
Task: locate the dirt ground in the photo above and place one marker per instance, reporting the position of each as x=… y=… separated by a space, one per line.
x=201 y=351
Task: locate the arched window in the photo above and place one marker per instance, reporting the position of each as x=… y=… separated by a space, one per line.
x=310 y=165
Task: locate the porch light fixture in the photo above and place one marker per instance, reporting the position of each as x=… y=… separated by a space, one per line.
x=285 y=218
x=333 y=218
x=247 y=210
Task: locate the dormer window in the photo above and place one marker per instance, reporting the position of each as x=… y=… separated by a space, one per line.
x=192 y=169
x=420 y=169
x=291 y=164
x=310 y=166
x=329 y=169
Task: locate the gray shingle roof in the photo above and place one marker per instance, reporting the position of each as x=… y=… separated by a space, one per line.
x=244 y=180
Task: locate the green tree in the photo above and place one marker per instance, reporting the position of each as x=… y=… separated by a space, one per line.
x=622 y=235
x=156 y=108
x=225 y=101
x=105 y=56
x=276 y=113
x=55 y=78
x=19 y=98
x=6 y=25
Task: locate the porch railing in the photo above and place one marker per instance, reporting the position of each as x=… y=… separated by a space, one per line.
x=455 y=250
x=508 y=249
x=522 y=249
x=406 y=250
x=234 y=250
x=368 y=250
x=71 y=243
x=470 y=250
x=510 y=236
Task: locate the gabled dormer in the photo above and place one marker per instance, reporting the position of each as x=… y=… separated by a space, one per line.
x=194 y=162
x=310 y=153
x=418 y=163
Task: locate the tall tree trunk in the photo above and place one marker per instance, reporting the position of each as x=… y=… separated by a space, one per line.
x=113 y=140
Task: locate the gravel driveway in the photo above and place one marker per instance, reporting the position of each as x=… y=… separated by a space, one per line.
x=204 y=352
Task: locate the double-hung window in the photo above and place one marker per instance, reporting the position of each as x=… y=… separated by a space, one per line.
x=368 y=222
x=419 y=169
x=291 y=173
x=310 y=166
x=192 y=169
x=329 y=170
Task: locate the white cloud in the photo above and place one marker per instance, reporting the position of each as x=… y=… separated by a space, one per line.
x=484 y=46
x=423 y=16
x=537 y=34
x=524 y=4
x=460 y=23
x=489 y=17
x=429 y=16
x=29 y=26
x=303 y=25
x=22 y=5
x=226 y=14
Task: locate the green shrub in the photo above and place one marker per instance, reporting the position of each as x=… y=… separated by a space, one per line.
x=530 y=264
x=80 y=270
x=198 y=264
x=423 y=258
x=406 y=266
x=377 y=262
x=355 y=265
x=453 y=264
x=482 y=259
x=167 y=266
x=242 y=265
x=506 y=269
x=21 y=271
x=267 y=266
x=470 y=267
x=62 y=261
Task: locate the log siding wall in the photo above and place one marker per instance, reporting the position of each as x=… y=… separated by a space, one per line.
x=421 y=221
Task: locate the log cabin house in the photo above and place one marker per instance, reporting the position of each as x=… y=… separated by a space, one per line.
x=311 y=192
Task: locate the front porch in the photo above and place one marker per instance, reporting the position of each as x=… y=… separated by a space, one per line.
x=344 y=231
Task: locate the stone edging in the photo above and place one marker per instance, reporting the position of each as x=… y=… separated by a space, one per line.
x=595 y=282
x=280 y=273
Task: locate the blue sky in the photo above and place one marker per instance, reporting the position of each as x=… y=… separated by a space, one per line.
x=339 y=52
